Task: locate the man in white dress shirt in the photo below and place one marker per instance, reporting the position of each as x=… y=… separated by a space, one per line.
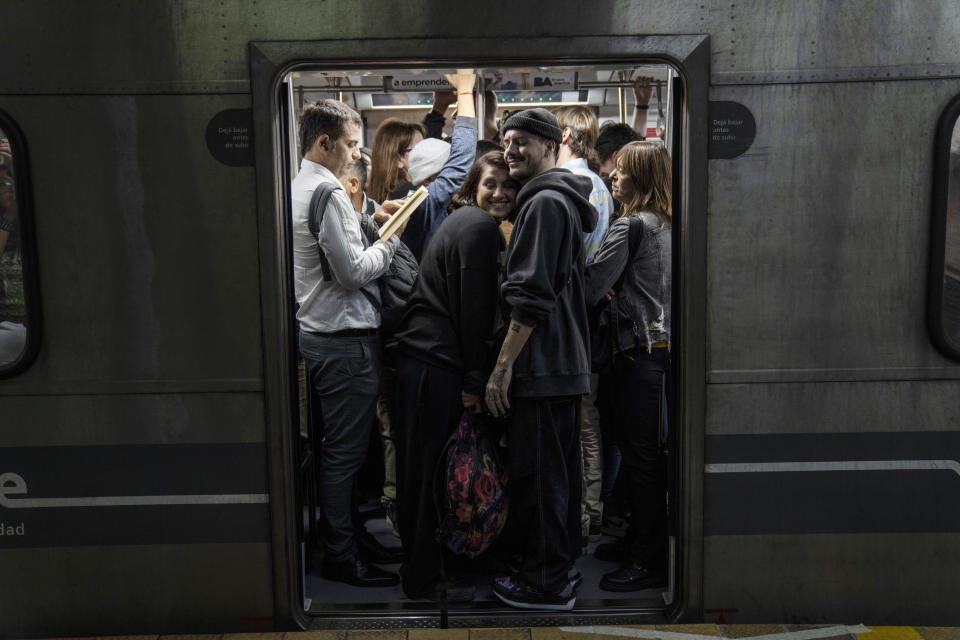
x=339 y=317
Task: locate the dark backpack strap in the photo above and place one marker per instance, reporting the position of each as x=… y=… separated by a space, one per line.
x=634 y=235
x=636 y=232
x=318 y=205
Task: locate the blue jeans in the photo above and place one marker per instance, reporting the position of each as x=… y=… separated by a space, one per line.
x=344 y=374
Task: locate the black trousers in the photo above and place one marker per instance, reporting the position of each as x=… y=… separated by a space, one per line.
x=545 y=486
x=636 y=400
x=427 y=410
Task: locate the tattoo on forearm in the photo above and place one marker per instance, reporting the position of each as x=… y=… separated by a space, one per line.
x=515 y=327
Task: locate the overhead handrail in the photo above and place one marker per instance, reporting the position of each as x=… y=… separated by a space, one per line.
x=377 y=88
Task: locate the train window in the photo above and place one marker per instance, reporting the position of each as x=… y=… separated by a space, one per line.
x=945 y=263
x=18 y=339
x=422 y=103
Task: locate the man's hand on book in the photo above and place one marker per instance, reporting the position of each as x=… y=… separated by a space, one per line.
x=387 y=209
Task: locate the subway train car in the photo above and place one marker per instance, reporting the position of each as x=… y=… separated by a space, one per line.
x=153 y=475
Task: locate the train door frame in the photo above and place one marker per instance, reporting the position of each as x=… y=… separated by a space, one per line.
x=690 y=56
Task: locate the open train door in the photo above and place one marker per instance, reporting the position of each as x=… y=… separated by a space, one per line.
x=674 y=142
x=272 y=64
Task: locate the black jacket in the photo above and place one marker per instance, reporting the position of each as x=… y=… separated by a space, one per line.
x=453 y=306
x=543 y=285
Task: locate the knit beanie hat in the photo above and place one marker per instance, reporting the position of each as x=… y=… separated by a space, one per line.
x=427 y=158
x=537 y=121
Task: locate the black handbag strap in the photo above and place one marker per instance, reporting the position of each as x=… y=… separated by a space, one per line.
x=633 y=243
x=634 y=233
x=318 y=205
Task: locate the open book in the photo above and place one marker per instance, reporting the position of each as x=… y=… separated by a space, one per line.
x=397 y=219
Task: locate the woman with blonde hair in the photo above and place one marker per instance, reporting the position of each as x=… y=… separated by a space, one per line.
x=632 y=269
x=390 y=156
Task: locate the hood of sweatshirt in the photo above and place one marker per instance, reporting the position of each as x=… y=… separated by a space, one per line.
x=576 y=188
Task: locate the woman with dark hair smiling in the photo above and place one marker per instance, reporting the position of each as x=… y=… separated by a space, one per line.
x=444 y=355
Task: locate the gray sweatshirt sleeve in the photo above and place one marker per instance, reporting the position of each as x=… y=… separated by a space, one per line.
x=351 y=265
x=608 y=263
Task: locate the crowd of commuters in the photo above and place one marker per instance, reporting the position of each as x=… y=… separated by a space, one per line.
x=491 y=327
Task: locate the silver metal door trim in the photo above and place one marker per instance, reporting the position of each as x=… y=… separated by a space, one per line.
x=655 y=634
x=847 y=465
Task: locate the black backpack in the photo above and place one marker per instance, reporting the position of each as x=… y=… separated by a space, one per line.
x=395 y=284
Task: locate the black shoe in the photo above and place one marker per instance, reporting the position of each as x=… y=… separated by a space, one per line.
x=517 y=593
x=371 y=550
x=358 y=573
x=617 y=551
x=574 y=577
x=633 y=577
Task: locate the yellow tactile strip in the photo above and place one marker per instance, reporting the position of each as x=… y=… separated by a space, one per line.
x=937 y=633
x=500 y=634
x=438 y=634
x=891 y=633
x=695 y=631
x=750 y=630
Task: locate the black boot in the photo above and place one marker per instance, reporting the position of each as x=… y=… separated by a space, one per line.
x=633 y=577
x=371 y=550
x=358 y=573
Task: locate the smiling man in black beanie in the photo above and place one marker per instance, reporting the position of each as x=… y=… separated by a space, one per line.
x=544 y=363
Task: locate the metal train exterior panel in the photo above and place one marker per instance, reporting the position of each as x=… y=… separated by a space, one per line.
x=805 y=266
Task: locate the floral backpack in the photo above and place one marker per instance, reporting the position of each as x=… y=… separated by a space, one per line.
x=472 y=498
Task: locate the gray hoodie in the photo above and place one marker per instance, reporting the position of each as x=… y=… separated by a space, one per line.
x=543 y=286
